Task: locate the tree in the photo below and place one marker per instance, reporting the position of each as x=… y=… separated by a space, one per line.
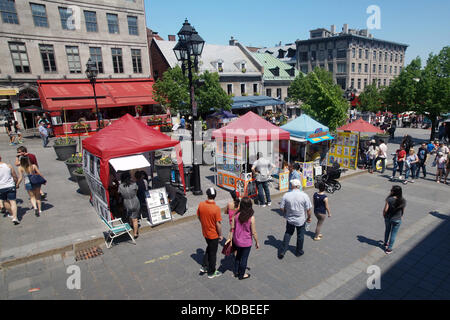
x=172 y=91
x=371 y=99
x=321 y=98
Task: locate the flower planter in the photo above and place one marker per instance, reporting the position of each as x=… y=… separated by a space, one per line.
x=65 y=151
x=164 y=172
x=72 y=166
x=82 y=183
x=80 y=130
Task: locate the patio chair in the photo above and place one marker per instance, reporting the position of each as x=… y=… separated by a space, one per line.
x=116 y=228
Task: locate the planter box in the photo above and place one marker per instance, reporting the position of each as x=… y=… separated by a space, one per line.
x=164 y=172
x=82 y=183
x=72 y=167
x=80 y=130
x=64 y=152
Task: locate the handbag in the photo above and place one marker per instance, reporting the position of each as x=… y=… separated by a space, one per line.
x=36 y=179
x=228 y=248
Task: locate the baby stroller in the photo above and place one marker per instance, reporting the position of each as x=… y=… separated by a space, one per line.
x=330 y=178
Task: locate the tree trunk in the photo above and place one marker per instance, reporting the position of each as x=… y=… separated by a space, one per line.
x=434 y=124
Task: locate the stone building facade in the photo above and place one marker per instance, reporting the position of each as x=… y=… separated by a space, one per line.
x=54 y=40
x=355 y=58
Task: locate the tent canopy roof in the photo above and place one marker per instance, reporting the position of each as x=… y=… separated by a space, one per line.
x=360 y=126
x=303 y=126
x=251 y=127
x=222 y=114
x=126 y=136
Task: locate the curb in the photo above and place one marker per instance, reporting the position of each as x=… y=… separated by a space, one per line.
x=100 y=241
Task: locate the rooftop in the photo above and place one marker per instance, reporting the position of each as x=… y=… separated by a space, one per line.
x=272 y=66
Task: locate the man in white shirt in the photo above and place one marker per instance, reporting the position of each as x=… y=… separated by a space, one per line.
x=296 y=207
x=382 y=154
x=262 y=169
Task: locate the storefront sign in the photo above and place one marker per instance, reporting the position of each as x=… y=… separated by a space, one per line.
x=9 y=92
x=158 y=206
x=308 y=174
x=318 y=133
x=344 y=150
x=284 y=181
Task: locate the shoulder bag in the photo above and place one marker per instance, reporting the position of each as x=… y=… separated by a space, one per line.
x=36 y=179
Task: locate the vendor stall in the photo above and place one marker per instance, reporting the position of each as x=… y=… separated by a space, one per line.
x=219 y=119
x=126 y=145
x=347 y=147
x=236 y=147
x=309 y=145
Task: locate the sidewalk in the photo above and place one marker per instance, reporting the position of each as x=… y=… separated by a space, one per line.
x=69 y=222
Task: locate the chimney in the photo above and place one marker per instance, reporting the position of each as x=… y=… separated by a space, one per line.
x=345 y=28
x=232 y=41
x=333 y=29
x=171 y=37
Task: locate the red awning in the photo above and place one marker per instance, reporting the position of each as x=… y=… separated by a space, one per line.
x=78 y=94
x=360 y=126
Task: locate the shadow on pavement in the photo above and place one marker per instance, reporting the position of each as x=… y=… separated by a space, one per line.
x=439 y=215
x=375 y=243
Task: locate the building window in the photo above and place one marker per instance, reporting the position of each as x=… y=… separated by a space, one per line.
x=321 y=55
x=242 y=88
x=390 y=69
x=137 y=60
x=73 y=58
x=379 y=83
x=374 y=68
x=19 y=57
x=353 y=53
x=360 y=53
x=367 y=54
x=255 y=88
x=352 y=83
x=8 y=11
x=396 y=57
x=313 y=56
x=385 y=68
x=48 y=58
x=330 y=67
x=66 y=15
x=113 y=22
x=379 y=68
x=374 y=55
x=117 y=60
x=395 y=70
x=359 y=84
x=279 y=93
x=303 y=56
x=401 y=58
x=353 y=67
x=385 y=56
x=39 y=15
x=384 y=82
x=96 y=56
x=391 y=57
x=365 y=83
x=366 y=68
x=133 y=26
x=381 y=56
x=341 y=82
x=399 y=69
x=359 y=67
x=304 y=68
x=330 y=54
x=220 y=66
x=91 y=21
x=269 y=92
x=229 y=89
x=341 y=54
x=341 y=68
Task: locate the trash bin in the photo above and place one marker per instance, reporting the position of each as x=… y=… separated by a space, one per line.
x=176 y=179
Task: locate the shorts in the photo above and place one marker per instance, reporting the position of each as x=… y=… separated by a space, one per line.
x=29 y=186
x=8 y=194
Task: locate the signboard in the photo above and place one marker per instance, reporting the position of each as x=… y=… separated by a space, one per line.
x=344 y=150
x=308 y=174
x=284 y=181
x=91 y=168
x=230 y=158
x=246 y=186
x=158 y=206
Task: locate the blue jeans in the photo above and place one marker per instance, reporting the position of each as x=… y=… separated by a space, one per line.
x=392 y=227
x=290 y=228
x=44 y=141
x=240 y=263
x=397 y=165
x=263 y=187
x=421 y=165
x=413 y=170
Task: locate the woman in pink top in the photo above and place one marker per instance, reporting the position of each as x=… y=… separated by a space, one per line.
x=232 y=207
x=242 y=230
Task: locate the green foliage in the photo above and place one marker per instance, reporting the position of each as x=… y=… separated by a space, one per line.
x=211 y=95
x=79 y=170
x=371 y=99
x=75 y=158
x=321 y=98
x=172 y=91
x=65 y=141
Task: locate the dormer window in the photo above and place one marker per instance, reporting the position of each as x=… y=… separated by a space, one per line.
x=281 y=53
x=243 y=69
x=291 y=72
x=275 y=71
x=220 y=66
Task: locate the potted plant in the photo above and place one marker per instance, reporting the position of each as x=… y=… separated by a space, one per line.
x=81 y=180
x=163 y=168
x=65 y=147
x=73 y=163
x=80 y=128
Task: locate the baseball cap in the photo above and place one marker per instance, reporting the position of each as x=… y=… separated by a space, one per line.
x=295 y=183
x=211 y=193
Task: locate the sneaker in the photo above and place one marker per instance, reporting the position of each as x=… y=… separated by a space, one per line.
x=299 y=253
x=401 y=177
x=412 y=181
x=36 y=212
x=263 y=206
x=391 y=178
x=15 y=221
x=405 y=182
x=388 y=251
x=203 y=270
x=215 y=275
x=269 y=204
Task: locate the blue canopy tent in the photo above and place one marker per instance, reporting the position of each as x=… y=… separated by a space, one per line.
x=255 y=101
x=306 y=129
x=220 y=118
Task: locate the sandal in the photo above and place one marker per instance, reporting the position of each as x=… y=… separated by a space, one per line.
x=245 y=276
x=317 y=238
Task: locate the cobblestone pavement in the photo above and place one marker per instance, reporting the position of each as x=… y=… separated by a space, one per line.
x=165 y=263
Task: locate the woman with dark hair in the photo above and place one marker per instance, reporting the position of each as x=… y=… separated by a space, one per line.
x=241 y=232
x=34 y=190
x=128 y=190
x=233 y=206
x=320 y=209
x=393 y=213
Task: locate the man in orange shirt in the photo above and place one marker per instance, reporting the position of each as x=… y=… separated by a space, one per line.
x=209 y=215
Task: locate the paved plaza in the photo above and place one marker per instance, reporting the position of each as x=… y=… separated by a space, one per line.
x=165 y=262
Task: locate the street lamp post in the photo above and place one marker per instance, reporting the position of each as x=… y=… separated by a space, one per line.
x=187 y=50
x=91 y=73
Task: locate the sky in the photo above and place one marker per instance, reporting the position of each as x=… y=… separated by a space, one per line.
x=421 y=24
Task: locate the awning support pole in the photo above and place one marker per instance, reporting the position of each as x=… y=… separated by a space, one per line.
x=289 y=151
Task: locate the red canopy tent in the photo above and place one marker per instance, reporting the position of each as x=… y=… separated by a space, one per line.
x=360 y=126
x=128 y=136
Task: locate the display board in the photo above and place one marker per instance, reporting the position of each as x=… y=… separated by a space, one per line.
x=158 y=206
x=91 y=168
x=284 y=181
x=230 y=160
x=308 y=174
x=344 y=150
x=246 y=186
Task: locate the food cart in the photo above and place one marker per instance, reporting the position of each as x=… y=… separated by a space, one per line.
x=237 y=145
x=126 y=145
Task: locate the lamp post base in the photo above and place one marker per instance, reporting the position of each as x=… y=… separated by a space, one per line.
x=197 y=192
